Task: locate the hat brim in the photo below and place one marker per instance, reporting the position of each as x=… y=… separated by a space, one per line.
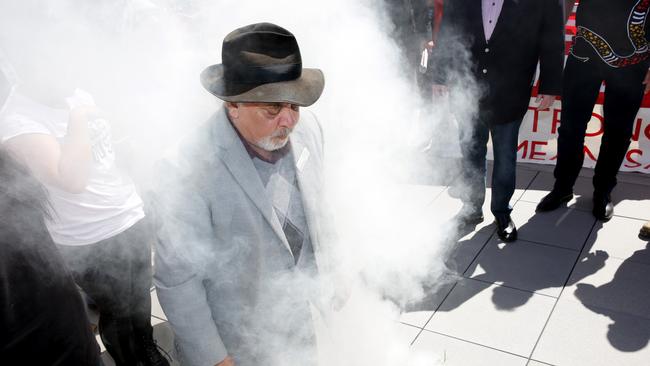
x=303 y=91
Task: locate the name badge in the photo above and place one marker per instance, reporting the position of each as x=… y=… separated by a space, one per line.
x=302 y=160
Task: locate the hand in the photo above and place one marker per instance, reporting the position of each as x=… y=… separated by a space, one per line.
x=228 y=361
x=646 y=82
x=341 y=295
x=429 y=45
x=544 y=101
x=83 y=114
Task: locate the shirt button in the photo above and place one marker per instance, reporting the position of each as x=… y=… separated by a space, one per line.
x=487 y=50
x=485 y=71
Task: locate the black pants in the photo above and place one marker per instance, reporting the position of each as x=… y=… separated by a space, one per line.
x=623 y=97
x=116 y=274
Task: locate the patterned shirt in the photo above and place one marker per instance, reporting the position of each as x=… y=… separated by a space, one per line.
x=278 y=176
x=614 y=32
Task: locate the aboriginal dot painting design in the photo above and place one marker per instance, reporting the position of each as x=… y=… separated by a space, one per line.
x=636 y=34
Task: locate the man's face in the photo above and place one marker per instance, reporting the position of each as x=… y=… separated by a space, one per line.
x=265 y=125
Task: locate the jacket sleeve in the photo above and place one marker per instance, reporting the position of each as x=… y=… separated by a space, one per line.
x=551 y=59
x=184 y=248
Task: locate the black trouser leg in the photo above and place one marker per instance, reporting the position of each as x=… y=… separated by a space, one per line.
x=580 y=90
x=138 y=241
x=474 y=149
x=623 y=97
x=116 y=274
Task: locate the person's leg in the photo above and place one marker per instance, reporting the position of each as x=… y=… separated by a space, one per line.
x=101 y=275
x=582 y=81
x=474 y=149
x=136 y=249
x=581 y=86
x=623 y=97
x=504 y=145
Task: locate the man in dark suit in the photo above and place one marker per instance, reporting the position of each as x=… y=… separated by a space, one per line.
x=612 y=45
x=499 y=44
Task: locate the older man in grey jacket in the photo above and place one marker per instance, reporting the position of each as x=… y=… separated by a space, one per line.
x=239 y=230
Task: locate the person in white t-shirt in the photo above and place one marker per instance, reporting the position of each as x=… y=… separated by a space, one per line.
x=98 y=221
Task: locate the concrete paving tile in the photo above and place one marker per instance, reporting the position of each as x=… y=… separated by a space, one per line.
x=459 y=257
x=418 y=313
x=156 y=321
x=632 y=200
x=462 y=253
x=447 y=202
x=524 y=265
x=634 y=177
x=537 y=363
x=618 y=238
x=543 y=184
x=567 y=228
x=407 y=333
x=415 y=318
x=495 y=316
x=156 y=309
x=417 y=195
x=454 y=352
x=579 y=336
x=612 y=284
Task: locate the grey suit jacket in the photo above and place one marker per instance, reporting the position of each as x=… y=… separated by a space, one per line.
x=224 y=269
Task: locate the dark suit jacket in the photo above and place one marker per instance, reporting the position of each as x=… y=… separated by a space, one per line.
x=527 y=31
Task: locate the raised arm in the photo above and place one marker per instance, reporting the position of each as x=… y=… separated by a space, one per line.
x=63 y=165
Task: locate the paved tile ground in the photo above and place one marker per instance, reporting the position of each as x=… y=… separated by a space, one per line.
x=571 y=291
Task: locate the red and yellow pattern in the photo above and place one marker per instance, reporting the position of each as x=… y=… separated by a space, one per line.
x=636 y=34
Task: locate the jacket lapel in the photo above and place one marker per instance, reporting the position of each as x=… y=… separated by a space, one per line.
x=506 y=19
x=475 y=19
x=241 y=166
x=306 y=175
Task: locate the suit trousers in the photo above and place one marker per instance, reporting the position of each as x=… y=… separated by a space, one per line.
x=116 y=274
x=623 y=97
x=474 y=149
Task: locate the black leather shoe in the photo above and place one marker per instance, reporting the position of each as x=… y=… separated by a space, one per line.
x=468 y=216
x=506 y=229
x=644 y=233
x=151 y=353
x=553 y=200
x=603 y=208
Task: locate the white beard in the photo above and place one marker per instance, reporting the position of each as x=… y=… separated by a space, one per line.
x=271 y=143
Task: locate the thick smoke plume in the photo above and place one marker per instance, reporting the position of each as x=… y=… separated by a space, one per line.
x=141 y=60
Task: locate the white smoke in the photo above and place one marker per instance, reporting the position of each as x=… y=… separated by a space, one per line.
x=141 y=60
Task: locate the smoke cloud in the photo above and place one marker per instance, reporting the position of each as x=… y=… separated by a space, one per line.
x=141 y=59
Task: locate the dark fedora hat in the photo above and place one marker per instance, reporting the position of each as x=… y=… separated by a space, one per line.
x=261 y=63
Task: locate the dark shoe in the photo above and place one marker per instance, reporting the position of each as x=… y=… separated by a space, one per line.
x=150 y=353
x=603 y=208
x=506 y=229
x=468 y=216
x=553 y=200
x=644 y=233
